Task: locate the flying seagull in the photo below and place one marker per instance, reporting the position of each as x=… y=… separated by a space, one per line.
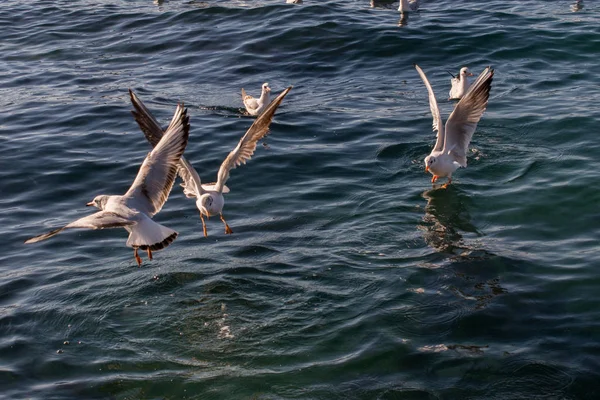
x=145 y=198
x=209 y=198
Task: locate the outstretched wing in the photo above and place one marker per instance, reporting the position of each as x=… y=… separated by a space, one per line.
x=146 y=120
x=249 y=102
x=435 y=112
x=154 y=181
x=191 y=180
x=463 y=121
x=245 y=148
x=192 y=185
x=99 y=220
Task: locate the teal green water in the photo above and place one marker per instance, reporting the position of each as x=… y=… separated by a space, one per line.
x=348 y=276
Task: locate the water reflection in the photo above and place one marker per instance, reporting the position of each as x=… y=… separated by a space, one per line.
x=403 y=19
x=445 y=214
x=475 y=270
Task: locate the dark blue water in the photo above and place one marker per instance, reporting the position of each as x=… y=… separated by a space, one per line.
x=348 y=276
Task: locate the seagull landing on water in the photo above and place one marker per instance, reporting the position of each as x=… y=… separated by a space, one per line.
x=145 y=198
x=408 y=6
x=450 y=151
x=256 y=106
x=460 y=84
x=209 y=198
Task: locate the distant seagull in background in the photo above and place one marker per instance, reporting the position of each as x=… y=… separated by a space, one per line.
x=256 y=106
x=460 y=84
x=408 y=6
x=209 y=198
x=577 y=6
x=145 y=198
x=293 y=1
x=450 y=151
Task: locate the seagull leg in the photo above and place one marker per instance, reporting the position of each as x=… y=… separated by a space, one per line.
x=435 y=178
x=227 y=228
x=149 y=253
x=203 y=226
x=445 y=185
x=137 y=257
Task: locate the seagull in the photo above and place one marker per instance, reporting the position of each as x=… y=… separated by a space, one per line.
x=294 y=1
x=450 y=151
x=209 y=198
x=254 y=106
x=460 y=84
x=145 y=198
x=407 y=6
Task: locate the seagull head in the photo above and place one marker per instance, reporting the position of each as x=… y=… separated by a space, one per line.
x=266 y=88
x=98 y=202
x=464 y=71
x=204 y=203
x=429 y=161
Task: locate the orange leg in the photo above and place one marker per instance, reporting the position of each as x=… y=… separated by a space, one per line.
x=203 y=226
x=137 y=257
x=227 y=228
x=435 y=178
x=445 y=185
x=149 y=253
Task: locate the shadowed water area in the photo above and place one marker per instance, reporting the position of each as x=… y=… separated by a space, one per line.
x=348 y=276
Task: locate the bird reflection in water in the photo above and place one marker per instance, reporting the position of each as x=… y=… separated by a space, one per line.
x=445 y=214
x=403 y=21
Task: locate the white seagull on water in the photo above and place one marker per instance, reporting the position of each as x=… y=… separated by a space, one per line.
x=209 y=198
x=145 y=198
x=450 y=151
x=460 y=84
x=256 y=106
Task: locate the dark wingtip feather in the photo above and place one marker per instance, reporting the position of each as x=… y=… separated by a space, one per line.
x=161 y=245
x=44 y=236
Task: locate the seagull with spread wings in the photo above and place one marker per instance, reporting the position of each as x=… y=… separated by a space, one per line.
x=450 y=150
x=209 y=197
x=145 y=198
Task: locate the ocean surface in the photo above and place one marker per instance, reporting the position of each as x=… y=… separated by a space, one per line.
x=348 y=275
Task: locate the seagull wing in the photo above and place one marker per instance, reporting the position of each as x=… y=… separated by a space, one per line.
x=249 y=102
x=99 y=220
x=153 y=132
x=154 y=181
x=435 y=112
x=463 y=121
x=146 y=120
x=245 y=148
x=192 y=185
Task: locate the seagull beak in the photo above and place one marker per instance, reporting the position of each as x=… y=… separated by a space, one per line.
x=90 y=204
x=427 y=168
x=470 y=74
